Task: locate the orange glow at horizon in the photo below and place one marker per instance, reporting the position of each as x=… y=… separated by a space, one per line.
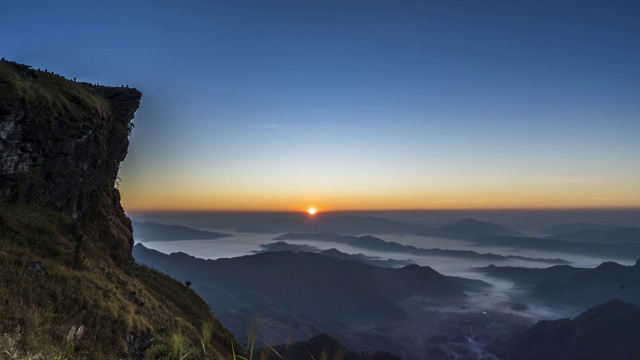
x=191 y=195
x=390 y=202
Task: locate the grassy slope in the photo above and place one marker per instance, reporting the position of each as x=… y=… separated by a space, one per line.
x=83 y=287
x=49 y=93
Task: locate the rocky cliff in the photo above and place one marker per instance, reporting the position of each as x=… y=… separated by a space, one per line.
x=61 y=145
x=69 y=288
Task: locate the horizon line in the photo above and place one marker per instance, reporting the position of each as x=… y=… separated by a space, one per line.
x=320 y=212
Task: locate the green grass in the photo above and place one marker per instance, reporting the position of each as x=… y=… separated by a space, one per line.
x=50 y=93
x=268 y=352
x=38 y=311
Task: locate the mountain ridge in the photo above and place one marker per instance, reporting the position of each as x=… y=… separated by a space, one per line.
x=369 y=242
x=574 y=227
x=578 y=287
x=306 y=290
x=358 y=225
x=470 y=227
x=145 y=231
x=607 y=236
x=623 y=251
x=610 y=330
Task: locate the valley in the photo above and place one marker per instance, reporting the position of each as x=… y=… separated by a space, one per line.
x=419 y=297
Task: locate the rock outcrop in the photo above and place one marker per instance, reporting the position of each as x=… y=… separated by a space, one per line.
x=65 y=241
x=61 y=145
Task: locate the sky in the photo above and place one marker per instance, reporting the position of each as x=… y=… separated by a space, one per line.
x=357 y=105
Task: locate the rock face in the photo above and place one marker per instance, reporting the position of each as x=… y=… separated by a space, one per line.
x=61 y=145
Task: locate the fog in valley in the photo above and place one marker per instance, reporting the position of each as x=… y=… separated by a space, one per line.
x=482 y=259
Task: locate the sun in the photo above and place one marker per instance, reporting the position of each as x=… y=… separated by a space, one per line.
x=312 y=211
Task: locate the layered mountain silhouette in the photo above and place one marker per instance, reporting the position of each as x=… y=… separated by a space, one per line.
x=623 y=251
x=574 y=227
x=376 y=244
x=321 y=283
x=589 y=287
x=576 y=286
x=271 y=225
x=469 y=228
x=375 y=261
x=529 y=278
x=609 y=236
x=607 y=331
x=355 y=225
x=152 y=231
x=302 y=294
x=284 y=246
x=299 y=295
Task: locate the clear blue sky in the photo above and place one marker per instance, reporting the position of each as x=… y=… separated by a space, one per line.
x=358 y=104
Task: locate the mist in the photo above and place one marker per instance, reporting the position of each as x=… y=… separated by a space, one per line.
x=498 y=301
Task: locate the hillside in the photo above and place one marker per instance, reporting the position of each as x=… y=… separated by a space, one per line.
x=70 y=287
x=607 y=331
x=579 y=287
x=324 y=346
x=372 y=291
x=375 y=261
x=528 y=278
x=295 y=296
x=592 y=286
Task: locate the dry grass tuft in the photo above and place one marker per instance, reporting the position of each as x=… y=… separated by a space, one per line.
x=86 y=312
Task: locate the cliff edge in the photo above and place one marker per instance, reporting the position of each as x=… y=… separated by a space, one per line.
x=70 y=288
x=61 y=145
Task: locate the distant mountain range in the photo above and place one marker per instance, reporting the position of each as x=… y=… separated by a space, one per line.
x=529 y=278
x=353 y=225
x=303 y=290
x=609 y=236
x=607 y=331
x=375 y=261
x=469 y=228
x=574 y=227
x=372 y=290
x=623 y=251
x=376 y=244
x=589 y=287
x=271 y=225
x=151 y=231
x=284 y=246
x=576 y=286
